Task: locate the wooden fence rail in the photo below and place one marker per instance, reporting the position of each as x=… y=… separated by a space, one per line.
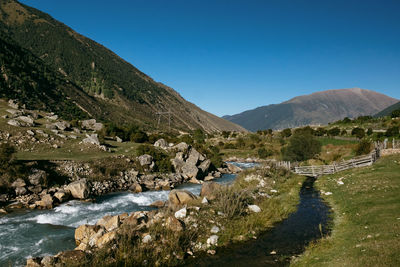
x=338 y=166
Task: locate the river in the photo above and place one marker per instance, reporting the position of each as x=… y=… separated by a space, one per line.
x=31 y=233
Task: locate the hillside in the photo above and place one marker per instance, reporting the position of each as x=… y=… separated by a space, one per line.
x=317 y=108
x=388 y=111
x=117 y=90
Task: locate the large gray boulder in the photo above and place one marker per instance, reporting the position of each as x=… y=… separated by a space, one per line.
x=181 y=147
x=161 y=143
x=145 y=159
x=28 y=120
x=205 y=166
x=37 y=177
x=178 y=164
x=189 y=170
x=180 y=197
x=18 y=183
x=13 y=122
x=62 y=125
x=194 y=157
x=92 y=125
x=79 y=189
x=91 y=139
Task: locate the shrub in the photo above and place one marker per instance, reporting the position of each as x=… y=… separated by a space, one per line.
x=395 y=113
x=392 y=131
x=232 y=203
x=301 y=147
x=305 y=130
x=286 y=132
x=229 y=146
x=320 y=132
x=264 y=153
x=225 y=134
x=364 y=147
x=334 y=131
x=139 y=137
x=6 y=155
x=369 y=131
x=161 y=159
x=358 y=132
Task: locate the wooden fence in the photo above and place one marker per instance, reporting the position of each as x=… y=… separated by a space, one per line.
x=338 y=166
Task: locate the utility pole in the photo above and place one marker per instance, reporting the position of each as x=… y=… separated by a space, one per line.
x=160 y=113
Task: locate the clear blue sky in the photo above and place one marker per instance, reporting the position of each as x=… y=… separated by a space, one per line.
x=230 y=56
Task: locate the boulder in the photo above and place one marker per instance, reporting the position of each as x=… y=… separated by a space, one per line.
x=79 y=189
x=233 y=168
x=48 y=261
x=110 y=223
x=92 y=125
x=106 y=239
x=182 y=147
x=205 y=166
x=84 y=233
x=161 y=143
x=71 y=256
x=62 y=195
x=91 y=139
x=14 y=123
x=181 y=214
x=210 y=190
x=13 y=104
x=157 y=204
x=189 y=170
x=28 y=120
x=20 y=191
x=194 y=157
x=119 y=140
x=37 y=177
x=18 y=183
x=178 y=164
x=137 y=188
x=212 y=240
x=254 y=208
x=62 y=125
x=35 y=189
x=215 y=229
x=180 y=197
x=173 y=224
x=46 y=202
x=136 y=218
x=145 y=159
x=33 y=262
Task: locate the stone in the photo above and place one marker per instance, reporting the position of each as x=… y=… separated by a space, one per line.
x=13 y=104
x=215 y=229
x=233 y=169
x=37 y=177
x=146 y=238
x=136 y=218
x=106 y=239
x=110 y=223
x=33 y=262
x=137 y=188
x=178 y=164
x=161 y=143
x=62 y=195
x=119 y=140
x=18 y=183
x=157 y=204
x=92 y=125
x=209 y=178
x=46 y=202
x=20 y=191
x=173 y=224
x=182 y=147
x=62 y=125
x=52 y=117
x=205 y=166
x=204 y=201
x=180 y=197
x=91 y=139
x=14 y=123
x=3 y=211
x=35 y=189
x=79 y=189
x=3 y=197
x=210 y=190
x=254 y=208
x=181 y=214
x=194 y=157
x=84 y=233
x=212 y=240
x=48 y=261
x=27 y=119
x=145 y=159
x=30 y=132
x=189 y=170
x=71 y=256
x=194 y=181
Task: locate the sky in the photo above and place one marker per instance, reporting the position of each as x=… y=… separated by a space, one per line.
x=228 y=56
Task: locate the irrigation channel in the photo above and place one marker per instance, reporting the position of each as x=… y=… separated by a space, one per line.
x=26 y=233
x=286 y=240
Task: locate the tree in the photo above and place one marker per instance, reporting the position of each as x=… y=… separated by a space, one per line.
x=334 y=131
x=364 y=147
x=6 y=155
x=369 y=131
x=301 y=147
x=358 y=132
x=395 y=113
x=286 y=132
x=320 y=132
x=392 y=131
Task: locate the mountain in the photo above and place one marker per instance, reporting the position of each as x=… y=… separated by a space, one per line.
x=92 y=77
x=388 y=111
x=317 y=108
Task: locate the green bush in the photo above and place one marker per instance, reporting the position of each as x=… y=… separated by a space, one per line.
x=395 y=113
x=320 y=132
x=364 y=147
x=161 y=159
x=139 y=137
x=334 y=131
x=370 y=131
x=392 y=131
x=358 y=132
x=6 y=155
x=301 y=147
x=286 y=132
x=264 y=153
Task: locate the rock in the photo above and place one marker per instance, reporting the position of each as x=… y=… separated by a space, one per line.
x=33 y=262
x=46 y=202
x=3 y=197
x=106 y=239
x=37 y=177
x=13 y=104
x=14 y=123
x=195 y=181
x=137 y=188
x=157 y=204
x=209 y=178
x=18 y=183
x=135 y=219
x=173 y=224
x=20 y=191
x=79 y=189
x=210 y=190
x=181 y=214
x=212 y=240
x=52 y=117
x=182 y=147
x=71 y=256
x=3 y=211
x=205 y=166
x=28 y=120
x=146 y=239
x=119 y=140
x=194 y=157
x=14 y=112
x=48 y=261
x=91 y=139
x=15 y=205
x=31 y=133
x=204 y=201
x=233 y=169
x=35 y=189
x=161 y=143
x=62 y=195
x=145 y=159
x=110 y=223
x=178 y=164
x=180 y=197
x=215 y=229
x=189 y=170
x=84 y=233
x=62 y=125
x=254 y=208
x=92 y=125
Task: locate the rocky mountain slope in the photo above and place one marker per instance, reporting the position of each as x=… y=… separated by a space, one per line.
x=317 y=108
x=113 y=89
x=388 y=111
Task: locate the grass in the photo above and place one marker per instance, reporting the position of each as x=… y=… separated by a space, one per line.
x=366 y=225
x=336 y=142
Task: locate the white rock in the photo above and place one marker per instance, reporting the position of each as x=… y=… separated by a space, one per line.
x=273 y=191
x=215 y=229
x=328 y=193
x=212 y=240
x=146 y=239
x=204 y=201
x=180 y=214
x=254 y=208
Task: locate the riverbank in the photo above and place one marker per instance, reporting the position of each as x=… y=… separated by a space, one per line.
x=366 y=224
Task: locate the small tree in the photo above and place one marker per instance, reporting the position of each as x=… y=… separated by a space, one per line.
x=6 y=155
x=334 y=131
x=392 y=131
x=264 y=153
x=286 y=132
x=364 y=147
x=301 y=147
x=358 y=132
x=369 y=131
x=395 y=113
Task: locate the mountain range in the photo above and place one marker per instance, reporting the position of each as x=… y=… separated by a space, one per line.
x=317 y=108
x=45 y=64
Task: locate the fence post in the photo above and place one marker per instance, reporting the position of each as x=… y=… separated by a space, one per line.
x=313 y=171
